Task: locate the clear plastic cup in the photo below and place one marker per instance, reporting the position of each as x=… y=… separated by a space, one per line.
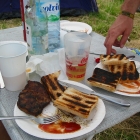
x=77 y=47
x=13 y=65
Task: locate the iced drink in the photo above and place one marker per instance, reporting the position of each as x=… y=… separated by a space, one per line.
x=77 y=45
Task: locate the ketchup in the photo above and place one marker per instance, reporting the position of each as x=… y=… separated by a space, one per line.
x=60 y=127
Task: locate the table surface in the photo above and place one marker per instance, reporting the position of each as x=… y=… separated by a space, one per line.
x=114 y=113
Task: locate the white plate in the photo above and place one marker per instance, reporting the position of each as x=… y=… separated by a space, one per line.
x=118 y=92
x=76 y=26
x=31 y=128
x=62 y=21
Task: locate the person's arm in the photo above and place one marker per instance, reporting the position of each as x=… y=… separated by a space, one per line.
x=121 y=27
x=130 y=6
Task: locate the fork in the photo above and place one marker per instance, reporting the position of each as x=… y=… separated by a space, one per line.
x=40 y=120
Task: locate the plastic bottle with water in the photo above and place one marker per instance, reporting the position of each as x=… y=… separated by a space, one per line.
x=36 y=23
x=53 y=11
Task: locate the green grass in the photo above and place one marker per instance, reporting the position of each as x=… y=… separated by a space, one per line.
x=10 y=23
x=108 y=12
x=100 y=22
x=127 y=130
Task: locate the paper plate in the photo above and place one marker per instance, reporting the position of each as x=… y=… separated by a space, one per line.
x=118 y=92
x=76 y=26
x=31 y=128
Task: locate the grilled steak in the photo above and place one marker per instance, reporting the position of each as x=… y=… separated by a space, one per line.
x=104 y=79
x=33 y=98
x=52 y=86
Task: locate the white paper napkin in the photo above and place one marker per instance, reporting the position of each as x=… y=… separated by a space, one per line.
x=62 y=64
x=48 y=63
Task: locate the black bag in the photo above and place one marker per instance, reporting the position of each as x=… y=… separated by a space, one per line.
x=77 y=7
x=9 y=9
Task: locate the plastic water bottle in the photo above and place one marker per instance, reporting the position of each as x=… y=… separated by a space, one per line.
x=53 y=12
x=36 y=23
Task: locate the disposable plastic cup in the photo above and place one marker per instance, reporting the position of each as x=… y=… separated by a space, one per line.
x=13 y=65
x=77 y=47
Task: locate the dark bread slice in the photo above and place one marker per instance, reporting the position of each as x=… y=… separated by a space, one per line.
x=52 y=86
x=104 y=79
x=76 y=102
x=117 y=59
x=127 y=71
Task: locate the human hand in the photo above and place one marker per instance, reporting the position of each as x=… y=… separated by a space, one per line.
x=121 y=27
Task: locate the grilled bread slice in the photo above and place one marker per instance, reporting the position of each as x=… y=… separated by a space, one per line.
x=104 y=79
x=127 y=71
x=52 y=86
x=76 y=102
x=117 y=59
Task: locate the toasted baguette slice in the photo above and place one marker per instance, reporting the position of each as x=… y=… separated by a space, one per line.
x=127 y=71
x=52 y=86
x=104 y=79
x=117 y=59
x=76 y=102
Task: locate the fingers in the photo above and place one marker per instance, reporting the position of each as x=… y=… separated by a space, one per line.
x=110 y=40
x=124 y=40
x=113 y=51
x=108 y=48
x=116 y=43
x=119 y=28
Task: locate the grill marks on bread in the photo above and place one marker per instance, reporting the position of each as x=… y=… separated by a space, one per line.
x=116 y=59
x=54 y=89
x=122 y=71
x=69 y=99
x=119 y=57
x=104 y=79
x=76 y=102
x=127 y=71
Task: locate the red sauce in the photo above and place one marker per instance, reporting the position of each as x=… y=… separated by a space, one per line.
x=138 y=82
x=60 y=127
x=130 y=85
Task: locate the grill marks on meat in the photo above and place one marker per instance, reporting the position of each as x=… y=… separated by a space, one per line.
x=33 y=98
x=54 y=89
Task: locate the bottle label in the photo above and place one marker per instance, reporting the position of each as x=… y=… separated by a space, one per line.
x=52 y=9
x=28 y=36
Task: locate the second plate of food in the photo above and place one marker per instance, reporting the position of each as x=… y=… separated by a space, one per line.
x=76 y=26
x=126 y=89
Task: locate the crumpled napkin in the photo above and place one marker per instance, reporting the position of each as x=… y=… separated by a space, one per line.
x=48 y=63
